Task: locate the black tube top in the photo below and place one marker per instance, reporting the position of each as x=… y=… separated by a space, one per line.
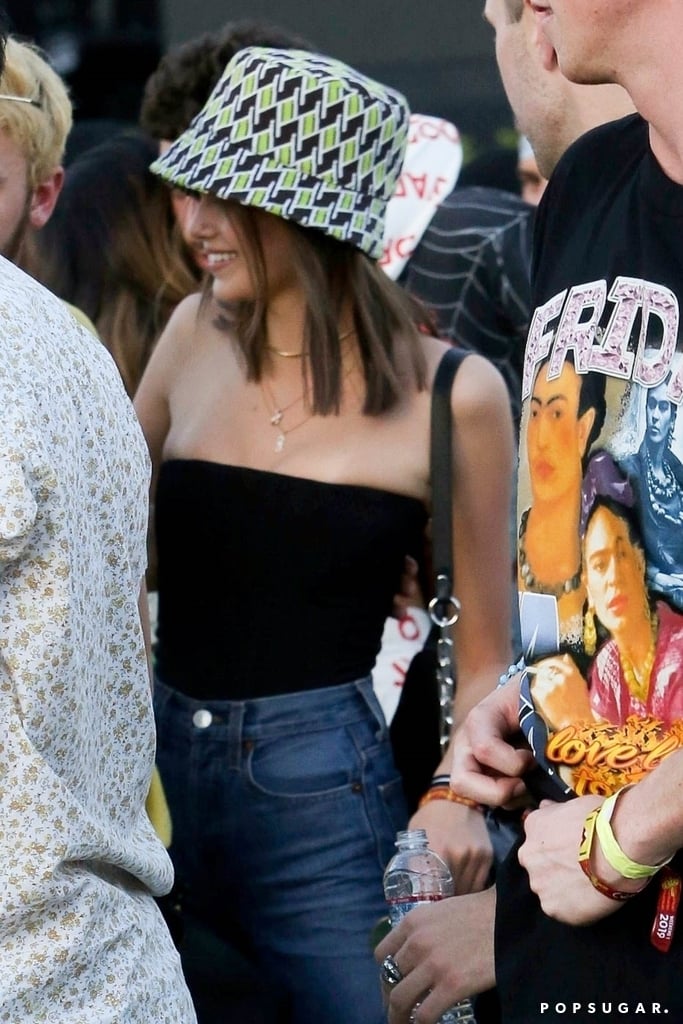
x=271 y=584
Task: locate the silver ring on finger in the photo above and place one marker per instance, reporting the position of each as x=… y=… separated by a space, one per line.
x=390 y=972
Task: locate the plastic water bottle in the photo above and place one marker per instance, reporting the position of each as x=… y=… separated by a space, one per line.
x=416 y=875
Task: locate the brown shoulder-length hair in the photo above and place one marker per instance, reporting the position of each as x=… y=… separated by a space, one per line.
x=388 y=321
x=112 y=248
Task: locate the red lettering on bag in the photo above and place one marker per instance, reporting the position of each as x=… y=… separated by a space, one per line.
x=397 y=247
x=431 y=129
x=420 y=185
x=409 y=627
x=401 y=669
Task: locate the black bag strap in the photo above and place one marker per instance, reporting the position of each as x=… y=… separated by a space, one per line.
x=444 y=607
x=441 y=471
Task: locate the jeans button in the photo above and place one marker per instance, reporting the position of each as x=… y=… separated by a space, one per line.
x=202 y=718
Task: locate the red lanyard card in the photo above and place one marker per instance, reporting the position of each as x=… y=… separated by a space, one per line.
x=668 y=899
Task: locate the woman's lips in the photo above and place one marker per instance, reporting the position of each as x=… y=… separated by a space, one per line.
x=543 y=470
x=618 y=604
x=212 y=262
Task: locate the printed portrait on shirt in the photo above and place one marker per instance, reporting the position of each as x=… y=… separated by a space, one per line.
x=600 y=557
x=564 y=418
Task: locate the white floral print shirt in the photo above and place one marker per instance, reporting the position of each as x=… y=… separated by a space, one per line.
x=81 y=938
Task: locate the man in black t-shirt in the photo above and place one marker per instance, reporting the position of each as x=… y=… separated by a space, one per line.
x=607 y=287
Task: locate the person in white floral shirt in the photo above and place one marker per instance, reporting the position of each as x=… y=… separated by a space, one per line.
x=81 y=937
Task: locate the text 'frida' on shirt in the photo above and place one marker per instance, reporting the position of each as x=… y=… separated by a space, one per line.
x=638 y=341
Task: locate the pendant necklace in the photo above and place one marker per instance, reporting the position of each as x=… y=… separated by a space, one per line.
x=277 y=412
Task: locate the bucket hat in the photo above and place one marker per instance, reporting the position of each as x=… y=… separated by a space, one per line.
x=299 y=135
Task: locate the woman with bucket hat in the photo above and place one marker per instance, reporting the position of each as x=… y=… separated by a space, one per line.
x=287 y=412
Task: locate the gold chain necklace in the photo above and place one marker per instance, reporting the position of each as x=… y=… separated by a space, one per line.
x=277 y=412
x=298 y=355
x=282 y=352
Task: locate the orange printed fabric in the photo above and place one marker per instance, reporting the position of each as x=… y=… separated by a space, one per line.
x=600 y=758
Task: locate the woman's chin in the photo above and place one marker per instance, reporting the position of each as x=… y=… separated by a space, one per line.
x=227 y=294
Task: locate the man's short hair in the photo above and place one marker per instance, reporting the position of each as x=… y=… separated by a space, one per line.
x=183 y=81
x=39 y=128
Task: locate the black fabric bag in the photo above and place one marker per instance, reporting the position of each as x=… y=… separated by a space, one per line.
x=414 y=729
x=420 y=726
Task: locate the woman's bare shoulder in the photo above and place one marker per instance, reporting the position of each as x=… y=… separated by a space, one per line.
x=187 y=313
x=478 y=384
x=175 y=347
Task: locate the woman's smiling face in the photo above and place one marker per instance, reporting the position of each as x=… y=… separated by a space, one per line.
x=217 y=235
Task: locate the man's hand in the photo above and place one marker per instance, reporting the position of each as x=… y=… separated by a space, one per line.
x=459 y=835
x=487 y=767
x=438 y=967
x=550 y=856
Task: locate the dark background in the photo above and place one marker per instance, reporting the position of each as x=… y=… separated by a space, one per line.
x=439 y=53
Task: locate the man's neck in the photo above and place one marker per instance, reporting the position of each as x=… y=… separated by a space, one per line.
x=658 y=97
x=667 y=147
x=587 y=107
x=599 y=104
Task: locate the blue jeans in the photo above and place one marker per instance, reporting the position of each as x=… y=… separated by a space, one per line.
x=285 y=811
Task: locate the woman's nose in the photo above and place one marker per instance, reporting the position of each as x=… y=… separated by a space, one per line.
x=612 y=573
x=198 y=221
x=543 y=431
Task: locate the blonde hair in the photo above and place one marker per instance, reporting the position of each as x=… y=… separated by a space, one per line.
x=40 y=130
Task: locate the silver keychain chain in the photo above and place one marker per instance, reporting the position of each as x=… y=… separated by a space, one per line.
x=444 y=658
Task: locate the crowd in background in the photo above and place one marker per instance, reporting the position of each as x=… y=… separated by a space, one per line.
x=126 y=253
x=276 y=304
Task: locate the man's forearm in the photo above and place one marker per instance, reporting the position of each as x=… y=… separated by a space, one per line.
x=648 y=819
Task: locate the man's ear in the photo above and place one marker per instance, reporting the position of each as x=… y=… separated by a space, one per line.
x=540 y=41
x=44 y=198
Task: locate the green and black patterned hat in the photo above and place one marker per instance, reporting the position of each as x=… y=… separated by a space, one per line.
x=299 y=135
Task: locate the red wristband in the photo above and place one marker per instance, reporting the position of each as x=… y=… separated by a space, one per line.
x=585 y=848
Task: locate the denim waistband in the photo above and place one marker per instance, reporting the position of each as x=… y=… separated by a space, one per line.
x=307 y=709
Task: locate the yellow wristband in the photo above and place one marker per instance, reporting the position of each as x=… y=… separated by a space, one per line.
x=612 y=852
x=585 y=848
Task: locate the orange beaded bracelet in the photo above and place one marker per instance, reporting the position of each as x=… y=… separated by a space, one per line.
x=446 y=793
